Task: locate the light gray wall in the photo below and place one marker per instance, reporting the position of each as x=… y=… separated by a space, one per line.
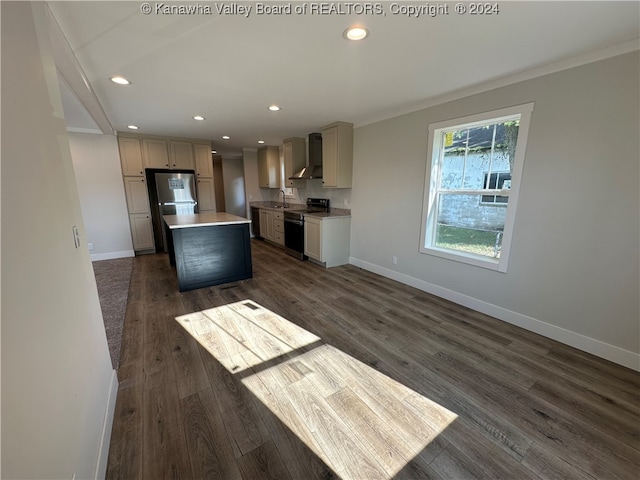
x=234 y=191
x=57 y=380
x=96 y=163
x=574 y=263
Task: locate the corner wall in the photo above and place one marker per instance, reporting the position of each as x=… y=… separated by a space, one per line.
x=574 y=264
x=96 y=164
x=58 y=387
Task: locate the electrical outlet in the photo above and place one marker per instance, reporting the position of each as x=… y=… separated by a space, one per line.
x=91 y=246
x=394 y=260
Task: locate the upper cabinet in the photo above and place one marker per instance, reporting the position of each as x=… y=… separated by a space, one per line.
x=204 y=161
x=158 y=153
x=268 y=167
x=295 y=158
x=337 y=155
x=155 y=153
x=181 y=155
x=131 y=156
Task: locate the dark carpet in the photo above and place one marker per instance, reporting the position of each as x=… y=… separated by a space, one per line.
x=113 y=278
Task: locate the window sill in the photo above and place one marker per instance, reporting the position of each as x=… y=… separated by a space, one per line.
x=495 y=264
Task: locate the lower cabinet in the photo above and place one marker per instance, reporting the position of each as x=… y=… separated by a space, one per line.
x=141 y=231
x=278 y=228
x=326 y=240
x=272 y=226
x=266 y=224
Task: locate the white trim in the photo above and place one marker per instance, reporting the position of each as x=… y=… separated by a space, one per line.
x=432 y=192
x=478 y=119
x=112 y=255
x=105 y=439
x=590 y=345
x=566 y=64
x=69 y=68
x=85 y=130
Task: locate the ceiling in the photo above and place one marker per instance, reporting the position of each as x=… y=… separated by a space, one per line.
x=230 y=68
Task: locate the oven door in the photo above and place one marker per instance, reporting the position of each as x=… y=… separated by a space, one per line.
x=294 y=237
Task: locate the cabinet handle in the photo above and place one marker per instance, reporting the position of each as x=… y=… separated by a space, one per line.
x=142 y=180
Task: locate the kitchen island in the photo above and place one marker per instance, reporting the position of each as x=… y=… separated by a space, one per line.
x=208 y=248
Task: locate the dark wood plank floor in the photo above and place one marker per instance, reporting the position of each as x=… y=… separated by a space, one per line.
x=527 y=407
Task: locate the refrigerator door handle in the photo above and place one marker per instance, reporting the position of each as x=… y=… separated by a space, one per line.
x=178 y=203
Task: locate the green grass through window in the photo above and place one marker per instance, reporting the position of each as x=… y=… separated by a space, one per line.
x=479 y=242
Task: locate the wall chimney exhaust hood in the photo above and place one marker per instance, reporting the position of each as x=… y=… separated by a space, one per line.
x=314 y=169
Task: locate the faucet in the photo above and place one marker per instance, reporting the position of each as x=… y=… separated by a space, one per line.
x=284 y=203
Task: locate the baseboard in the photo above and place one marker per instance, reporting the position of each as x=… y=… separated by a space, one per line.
x=587 y=344
x=105 y=439
x=112 y=255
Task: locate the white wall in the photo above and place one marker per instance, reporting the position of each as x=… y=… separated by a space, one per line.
x=574 y=264
x=57 y=381
x=250 y=165
x=234 y=190
x=96 y=162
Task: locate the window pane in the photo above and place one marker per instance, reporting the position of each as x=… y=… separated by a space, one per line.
x=470 y=153
x=465 y=224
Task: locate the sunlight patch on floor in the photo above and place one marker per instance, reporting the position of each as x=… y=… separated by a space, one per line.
x=360 y=422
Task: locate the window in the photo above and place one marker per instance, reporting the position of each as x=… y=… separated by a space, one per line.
x=499 y=181
x=472 y=185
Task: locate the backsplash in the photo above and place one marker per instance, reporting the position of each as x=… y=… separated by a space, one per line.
x=339 y=197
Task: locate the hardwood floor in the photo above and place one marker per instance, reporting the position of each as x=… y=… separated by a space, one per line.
x=357 y=376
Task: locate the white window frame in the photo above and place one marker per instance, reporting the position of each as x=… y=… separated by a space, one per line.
x=429 y=213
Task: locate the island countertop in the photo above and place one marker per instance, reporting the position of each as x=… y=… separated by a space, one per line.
x=203 y=220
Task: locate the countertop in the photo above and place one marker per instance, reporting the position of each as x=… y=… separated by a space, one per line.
x=333 y=212
x=203 y=220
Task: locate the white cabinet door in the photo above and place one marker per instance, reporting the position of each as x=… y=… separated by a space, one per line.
x=268 y=167
x=141 y=232
x=181 y=155
x=154 y=153
x=206 y=195
x=337 y=155
x=136 y=192
x=204 y=160
x=313 y=238
x=330 y=157
x=131 y=156
x=266 y=224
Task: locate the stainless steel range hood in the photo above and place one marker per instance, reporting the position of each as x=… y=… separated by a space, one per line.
x=314 y=169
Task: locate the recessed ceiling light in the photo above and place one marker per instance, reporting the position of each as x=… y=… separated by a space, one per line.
x=198 y=117
x=274 y=108
x=226 y=137
x=355 y=33
x=120 y=80
x=260 y=141
x=132 y=127
x=214 y=151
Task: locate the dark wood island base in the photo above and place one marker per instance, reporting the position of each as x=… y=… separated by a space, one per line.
x=209 y=249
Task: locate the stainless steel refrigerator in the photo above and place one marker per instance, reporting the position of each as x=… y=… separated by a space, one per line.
x=176 y=195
